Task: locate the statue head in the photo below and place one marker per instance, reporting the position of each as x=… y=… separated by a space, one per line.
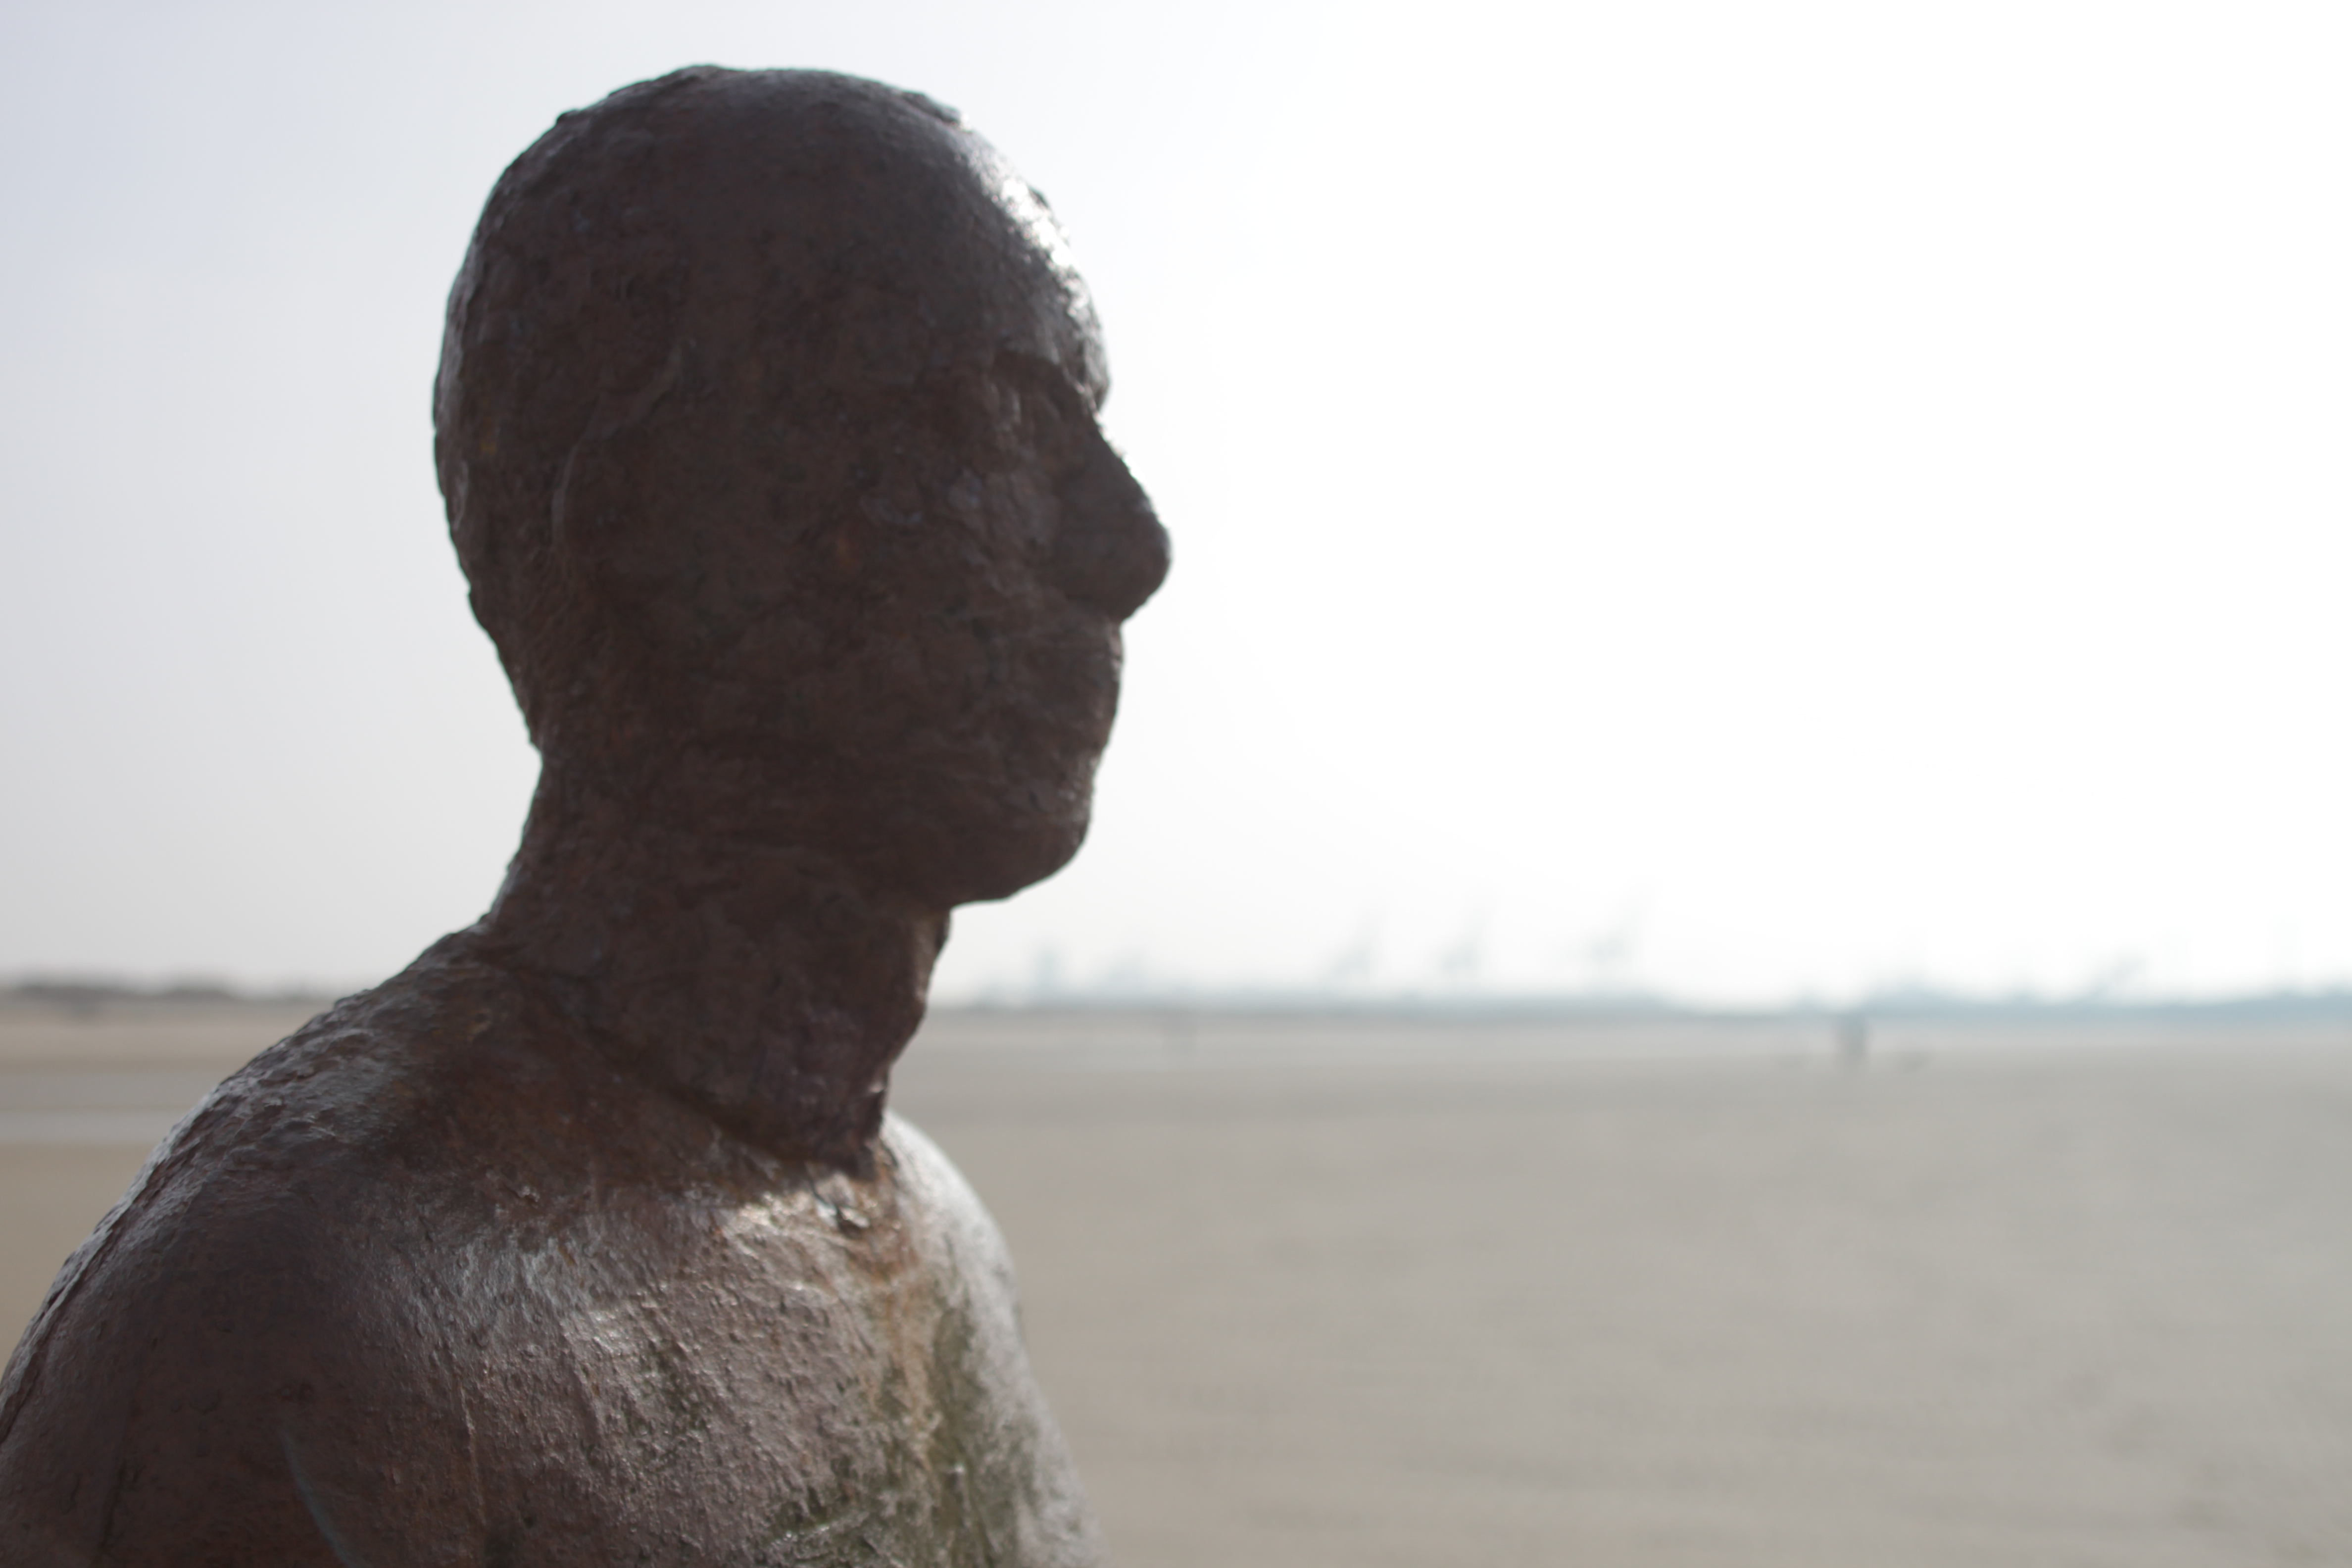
x=766 y=421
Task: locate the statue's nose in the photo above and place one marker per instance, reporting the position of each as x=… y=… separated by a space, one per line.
x=1110 y=552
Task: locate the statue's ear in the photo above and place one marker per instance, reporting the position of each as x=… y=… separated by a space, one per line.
x=605 y=517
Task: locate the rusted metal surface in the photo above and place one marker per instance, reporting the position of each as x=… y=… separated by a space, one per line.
x=766 y=420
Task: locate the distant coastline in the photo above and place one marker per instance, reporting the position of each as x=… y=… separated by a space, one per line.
x=87 y=994
x=82 y=994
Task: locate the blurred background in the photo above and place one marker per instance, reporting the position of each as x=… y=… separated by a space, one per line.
x=1716 y=928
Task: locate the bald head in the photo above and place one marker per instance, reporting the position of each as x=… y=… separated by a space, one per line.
x=741 y=248
x=755 y=386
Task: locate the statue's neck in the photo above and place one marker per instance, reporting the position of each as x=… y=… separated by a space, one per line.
x=765 y=985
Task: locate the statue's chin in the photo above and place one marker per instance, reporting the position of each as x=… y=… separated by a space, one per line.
x=998 y=859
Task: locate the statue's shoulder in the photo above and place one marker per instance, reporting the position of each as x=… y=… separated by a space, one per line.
x=282 y=1251
x=432 y=1279
x=966 y=1243
x=416 y=1092
x=386 y=1134
x=1020 y=1473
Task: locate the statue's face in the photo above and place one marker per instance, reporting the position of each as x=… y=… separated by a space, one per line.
x=882 y=611
x=946 y=666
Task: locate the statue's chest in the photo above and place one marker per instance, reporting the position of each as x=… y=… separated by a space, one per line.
x=769 y=1376
x=769 y=1329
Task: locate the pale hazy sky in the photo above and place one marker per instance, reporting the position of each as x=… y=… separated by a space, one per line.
x=1742 y=499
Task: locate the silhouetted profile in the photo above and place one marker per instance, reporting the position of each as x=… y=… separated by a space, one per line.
x=766 y=421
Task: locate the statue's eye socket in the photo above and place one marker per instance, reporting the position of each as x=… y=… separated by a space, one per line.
x=1022 y=412
x=1055 y=414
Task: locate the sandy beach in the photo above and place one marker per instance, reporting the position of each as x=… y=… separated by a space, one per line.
x=1649 y=1294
